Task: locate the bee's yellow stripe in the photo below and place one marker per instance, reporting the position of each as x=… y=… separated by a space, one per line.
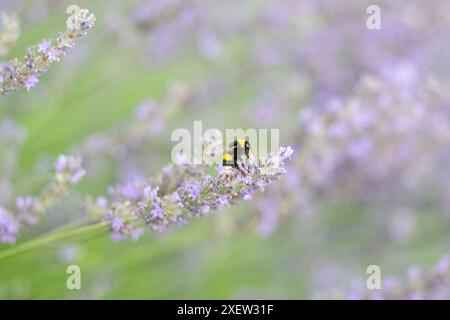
x=227 y=157
x=241 y=142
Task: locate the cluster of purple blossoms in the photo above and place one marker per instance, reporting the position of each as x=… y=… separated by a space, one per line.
x=329 y=47
x=29 y=209
x=68 y=171
x=378 y=136
x=15 y=73
x=165 y=29
x=387 y=138
x=183 y=192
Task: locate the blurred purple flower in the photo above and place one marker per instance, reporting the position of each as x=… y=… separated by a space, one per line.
x=9 y=227
x=157 y=212
x=222 y=201
x=44 y=46
x=131 y=191
x=360 y=148
x=193 y=189
x=53 y=55
x=30 y=81
x=117 y=224
x=269 y=217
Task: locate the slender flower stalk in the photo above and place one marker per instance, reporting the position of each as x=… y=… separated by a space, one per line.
x=183 y=192
x=16 y=73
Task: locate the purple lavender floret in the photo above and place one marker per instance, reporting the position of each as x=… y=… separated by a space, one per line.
x=9 y=227
x=44 y=46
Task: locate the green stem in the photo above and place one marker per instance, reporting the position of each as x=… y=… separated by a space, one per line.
x=63 y=233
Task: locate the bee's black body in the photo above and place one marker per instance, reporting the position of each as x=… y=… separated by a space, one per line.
x=232 y=157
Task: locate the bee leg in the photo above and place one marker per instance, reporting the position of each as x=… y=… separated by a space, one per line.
x=242 y=169
x=227 y=176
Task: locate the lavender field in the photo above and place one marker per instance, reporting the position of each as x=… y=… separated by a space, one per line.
x=353 y=202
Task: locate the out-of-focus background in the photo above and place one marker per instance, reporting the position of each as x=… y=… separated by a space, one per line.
x=366 y=112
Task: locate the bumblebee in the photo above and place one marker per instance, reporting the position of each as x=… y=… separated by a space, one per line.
x=233 y=156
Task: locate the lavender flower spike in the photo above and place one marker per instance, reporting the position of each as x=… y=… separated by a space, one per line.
x=68 y=172
x=15 y=73
x=195 y=193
